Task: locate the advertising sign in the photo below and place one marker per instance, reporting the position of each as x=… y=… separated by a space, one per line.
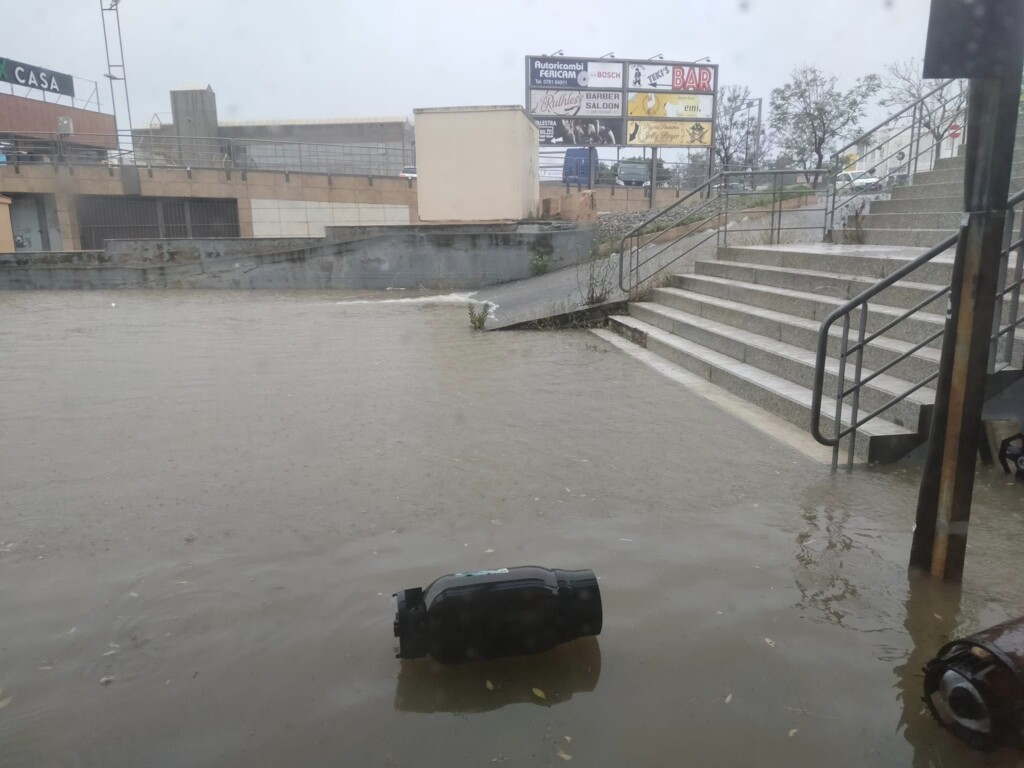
x=576 y=103
x=686 y=105
x=581 y=132
x=669 y=133
x=32 y=76
x=670 y=77
x=559 y=72
x=583 y=102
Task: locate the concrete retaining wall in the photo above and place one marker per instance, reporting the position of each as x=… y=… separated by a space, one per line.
x=439 y=258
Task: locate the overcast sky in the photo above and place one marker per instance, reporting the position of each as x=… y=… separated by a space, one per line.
x=328 y=58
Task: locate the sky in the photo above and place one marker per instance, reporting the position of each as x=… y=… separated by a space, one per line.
x=275 y=59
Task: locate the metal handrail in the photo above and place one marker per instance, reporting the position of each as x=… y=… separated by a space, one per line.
x=894 y=117
x=917 y=146
x=637 y=231
x=630 y=261
x=862 y=302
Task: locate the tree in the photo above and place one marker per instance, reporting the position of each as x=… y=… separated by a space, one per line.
x=739 y=140
x=902 y=86
x=810 y=115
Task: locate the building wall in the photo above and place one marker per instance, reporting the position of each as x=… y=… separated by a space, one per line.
x=376 y=201
x=375 y=147
x=6 y=232
x=609 y=199
x=31 y=116
x=308 y=218
x=477 y=164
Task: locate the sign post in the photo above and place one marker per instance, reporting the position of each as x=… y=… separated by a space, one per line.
x=982 y=41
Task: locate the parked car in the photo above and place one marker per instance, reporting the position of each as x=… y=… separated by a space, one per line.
x=858 y=181
x=408 y=172
x=633 y=175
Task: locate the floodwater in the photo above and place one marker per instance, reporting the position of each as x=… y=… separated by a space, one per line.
x=210 y=497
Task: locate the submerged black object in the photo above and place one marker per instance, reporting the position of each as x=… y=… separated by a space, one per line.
x=1012 y=455
x=975 y=686
x=504 y=612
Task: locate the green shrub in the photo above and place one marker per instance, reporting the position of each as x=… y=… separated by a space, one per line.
x=539 y=264
x=478 y=315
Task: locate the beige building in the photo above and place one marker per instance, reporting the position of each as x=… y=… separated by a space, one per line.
x=6 y=232
x=477 y=164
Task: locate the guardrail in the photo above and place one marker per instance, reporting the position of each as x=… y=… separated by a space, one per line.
x=168 y=151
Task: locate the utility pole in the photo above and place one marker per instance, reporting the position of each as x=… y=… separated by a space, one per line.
x=994 y=62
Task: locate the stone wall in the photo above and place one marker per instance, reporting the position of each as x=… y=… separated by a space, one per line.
x=435 y=258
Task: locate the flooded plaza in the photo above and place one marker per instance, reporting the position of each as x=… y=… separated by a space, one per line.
x=209 y=498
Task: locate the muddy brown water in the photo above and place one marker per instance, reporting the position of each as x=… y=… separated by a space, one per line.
x=324 y=455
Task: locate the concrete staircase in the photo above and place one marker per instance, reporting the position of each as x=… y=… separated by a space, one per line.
x=748 y=321
x=925 y=212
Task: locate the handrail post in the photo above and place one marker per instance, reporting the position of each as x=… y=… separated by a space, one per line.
x=997 y=314
x=725 y=210
x=862 y=329
x=1015 y=297
x=840 y=388
x=915 y=136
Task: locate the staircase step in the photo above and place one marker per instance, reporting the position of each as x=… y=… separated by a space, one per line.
x=798 y=331
x=945 y=189
x=878 y=440
x=918 y=238
x=945 y=163
x=790 y=362
x=949 y=221
x=955 y=174
x=903 y=294
x=812 y=306
x=862 y=260
x=949 y=204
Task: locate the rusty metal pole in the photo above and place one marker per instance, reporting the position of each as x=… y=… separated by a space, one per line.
x=944 y=503
x=654 y=175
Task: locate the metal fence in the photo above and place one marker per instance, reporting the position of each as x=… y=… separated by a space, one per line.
x=104 y=217
x=169 y=151
x=559 y=166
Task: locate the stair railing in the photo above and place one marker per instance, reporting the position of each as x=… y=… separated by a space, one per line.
x=634 y=269
x=907 y=138
x=857 y=311
x=644 y=251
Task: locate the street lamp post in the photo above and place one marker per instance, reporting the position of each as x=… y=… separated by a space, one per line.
x=115 y=68
x=757 y=134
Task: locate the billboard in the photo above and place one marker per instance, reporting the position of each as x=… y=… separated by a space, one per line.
x=685 y=105
x=581 y=132
x=669 y=133
x=581 y=102
x=550 y=103
x=670 y=77
x=31 y=76
x=559 y=72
